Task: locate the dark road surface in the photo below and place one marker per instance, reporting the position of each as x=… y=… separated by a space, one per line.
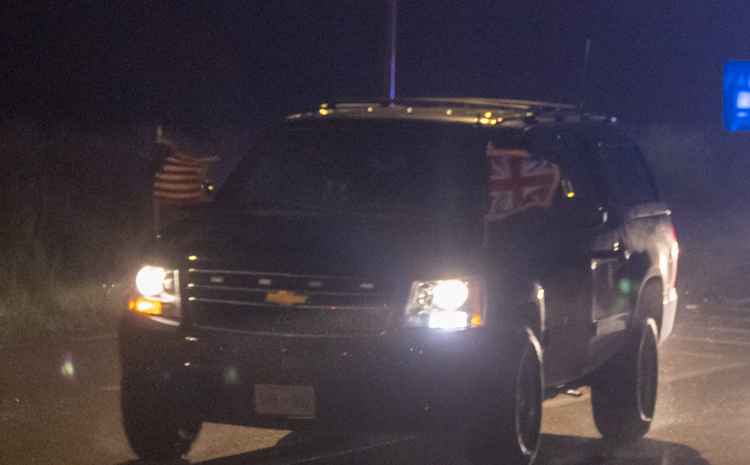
x=59 y=405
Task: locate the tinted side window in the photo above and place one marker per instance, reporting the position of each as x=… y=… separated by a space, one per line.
x=577 y=179
x=579 y=195
x=627 y=175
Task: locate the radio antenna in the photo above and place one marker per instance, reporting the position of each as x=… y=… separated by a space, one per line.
x=584 y=75
x=390 y=83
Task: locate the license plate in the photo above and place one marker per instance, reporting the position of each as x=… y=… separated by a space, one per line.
x=286 y=401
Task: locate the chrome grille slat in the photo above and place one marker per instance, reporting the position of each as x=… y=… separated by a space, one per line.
x=271 y=289
x=273 y=274
x=278 y=334
x=269 y=305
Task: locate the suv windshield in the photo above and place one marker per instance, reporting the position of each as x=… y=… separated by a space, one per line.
x=385 y=166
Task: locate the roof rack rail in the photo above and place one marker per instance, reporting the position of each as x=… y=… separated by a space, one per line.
x=510 y=104
x=528 y=111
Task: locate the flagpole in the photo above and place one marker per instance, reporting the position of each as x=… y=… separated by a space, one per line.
x=584 y=75
x=156 y=215
x=390 y=80
x=155 y=206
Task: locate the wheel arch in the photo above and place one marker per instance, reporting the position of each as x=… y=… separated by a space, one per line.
x=536 y=313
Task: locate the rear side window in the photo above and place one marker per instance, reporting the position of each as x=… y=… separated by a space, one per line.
x=628 y=178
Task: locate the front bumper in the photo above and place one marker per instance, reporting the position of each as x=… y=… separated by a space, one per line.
x=409 y=380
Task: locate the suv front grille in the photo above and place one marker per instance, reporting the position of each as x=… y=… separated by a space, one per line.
x=282 y=303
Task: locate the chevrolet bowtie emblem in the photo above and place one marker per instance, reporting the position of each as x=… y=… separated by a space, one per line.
x=285 y=298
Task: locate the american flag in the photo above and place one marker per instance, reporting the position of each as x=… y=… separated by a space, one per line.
x=181 y=178
x=517 y=182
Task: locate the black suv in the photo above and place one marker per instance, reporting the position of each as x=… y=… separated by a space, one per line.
x=426 y=264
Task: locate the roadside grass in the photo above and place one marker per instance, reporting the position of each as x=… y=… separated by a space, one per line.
x=59 y=311
x=74 y=205
x=40 y=298
x=91 y=308
x=75 y=209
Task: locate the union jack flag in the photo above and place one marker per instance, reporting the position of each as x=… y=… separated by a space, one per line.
x=517 y=182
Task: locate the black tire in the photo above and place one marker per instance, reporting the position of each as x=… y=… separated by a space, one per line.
x=511 y=431
x=154 y=423
x=623 y=392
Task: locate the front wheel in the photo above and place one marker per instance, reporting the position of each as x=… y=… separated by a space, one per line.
x=510 y=432
x=155 y=425
x=623 y=393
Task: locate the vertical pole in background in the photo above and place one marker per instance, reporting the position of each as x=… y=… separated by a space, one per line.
x=391 y=54
x=584 y=75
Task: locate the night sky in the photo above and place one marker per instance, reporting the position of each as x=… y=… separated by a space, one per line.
x=216 y=63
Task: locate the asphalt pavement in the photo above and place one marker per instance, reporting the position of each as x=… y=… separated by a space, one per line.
x=59 y=404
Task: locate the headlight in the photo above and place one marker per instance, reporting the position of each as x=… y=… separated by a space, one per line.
x=450 y=294
x=446 y=304
x=150 y=280
x=158 y=292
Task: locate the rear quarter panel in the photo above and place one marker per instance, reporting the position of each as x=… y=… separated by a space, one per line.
x=650 y=238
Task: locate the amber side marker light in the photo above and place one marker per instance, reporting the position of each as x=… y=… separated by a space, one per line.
x=145 y=306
